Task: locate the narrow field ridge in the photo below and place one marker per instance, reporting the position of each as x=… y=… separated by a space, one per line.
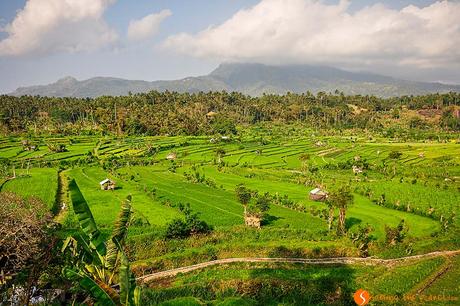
x=312 y=261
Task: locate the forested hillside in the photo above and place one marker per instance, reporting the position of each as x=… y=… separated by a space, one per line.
x=171 y=113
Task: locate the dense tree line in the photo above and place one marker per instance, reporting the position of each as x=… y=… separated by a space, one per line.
x=171 y=113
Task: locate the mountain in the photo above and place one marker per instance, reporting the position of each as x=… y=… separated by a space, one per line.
x=251 y=79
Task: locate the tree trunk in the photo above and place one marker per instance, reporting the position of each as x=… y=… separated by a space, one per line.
x=341 y=224
x=330 y=219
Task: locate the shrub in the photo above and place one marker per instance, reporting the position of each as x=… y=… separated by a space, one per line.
x=362 y=239
x=25 y=237
x=395 y=155
x=396 y=234
x=192 y=225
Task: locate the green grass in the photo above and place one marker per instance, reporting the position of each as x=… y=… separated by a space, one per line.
x=448 y=284
x=265 y=162
x=105 y=204
x=41 y=183
x=308 y=284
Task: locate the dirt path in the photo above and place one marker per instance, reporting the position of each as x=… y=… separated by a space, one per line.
x=310 y=261
x=62 y=197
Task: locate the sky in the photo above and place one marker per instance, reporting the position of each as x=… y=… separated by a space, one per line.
x=42 y=41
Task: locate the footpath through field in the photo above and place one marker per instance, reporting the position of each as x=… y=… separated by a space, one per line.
x=312 y=261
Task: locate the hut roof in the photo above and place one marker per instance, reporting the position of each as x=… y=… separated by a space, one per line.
x=318 y=191
x=171 y=155
x=105 y=181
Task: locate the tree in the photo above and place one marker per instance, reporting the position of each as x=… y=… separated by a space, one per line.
x=394 y=155
x=243 y=195
x=223 y=125
x=304 y=158
x=24 y=241
x=97 y=265
x=341 y=198
x=362 y=239
x=330 y=217
x=192 y=225
x=220 y=153
x=260 y=206
x=394 y=235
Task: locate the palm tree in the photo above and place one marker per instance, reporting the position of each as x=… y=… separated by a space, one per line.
x=304 y=158
x=98 y=265
x=342 y=198
x=220 y=153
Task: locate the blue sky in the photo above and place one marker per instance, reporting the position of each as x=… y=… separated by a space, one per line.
x=85 y=43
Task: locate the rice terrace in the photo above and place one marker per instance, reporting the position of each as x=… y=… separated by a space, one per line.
x=275 y=210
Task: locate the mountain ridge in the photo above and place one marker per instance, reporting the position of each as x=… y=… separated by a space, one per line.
x=250 y=78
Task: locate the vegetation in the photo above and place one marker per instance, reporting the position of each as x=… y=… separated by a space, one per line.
x=341 y=199
x=172 y=113
x=396 y=234
x=380 y=160
x=97 y=265
x=192 y=225
x=23 y=241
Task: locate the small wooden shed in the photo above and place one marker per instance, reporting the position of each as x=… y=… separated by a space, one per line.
x=252 y=220
x=318 y=195
x=107 y=184
x=211 y=114
x=171 y=156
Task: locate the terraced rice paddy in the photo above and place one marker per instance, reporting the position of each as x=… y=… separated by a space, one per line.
x=421 y=186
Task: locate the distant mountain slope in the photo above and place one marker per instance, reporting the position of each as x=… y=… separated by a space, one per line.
x=252 y=79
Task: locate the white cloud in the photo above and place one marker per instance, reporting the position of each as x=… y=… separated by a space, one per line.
x=49 y=26
x=307 y=31
x=147 y=26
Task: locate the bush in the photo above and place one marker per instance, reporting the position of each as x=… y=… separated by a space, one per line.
x=26 y=241
x=395 y=155
x=192 y=225
x=396 y=234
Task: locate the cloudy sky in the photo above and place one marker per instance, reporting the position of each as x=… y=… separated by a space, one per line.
x=44 y=40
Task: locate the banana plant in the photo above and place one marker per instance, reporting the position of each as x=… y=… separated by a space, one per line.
x=100 y=267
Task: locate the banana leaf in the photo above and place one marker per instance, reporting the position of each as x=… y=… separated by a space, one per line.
x=119 y=232
x=102 y=294
x=128 y=292
x=85 y=218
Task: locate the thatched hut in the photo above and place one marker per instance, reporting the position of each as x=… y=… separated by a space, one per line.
x=318 y=195
x=211 y=114
x=171 y=156
x=319 y=143
x=107 y=184
x=253 y=220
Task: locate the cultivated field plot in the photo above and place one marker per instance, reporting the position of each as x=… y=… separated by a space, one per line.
x=415 y=182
